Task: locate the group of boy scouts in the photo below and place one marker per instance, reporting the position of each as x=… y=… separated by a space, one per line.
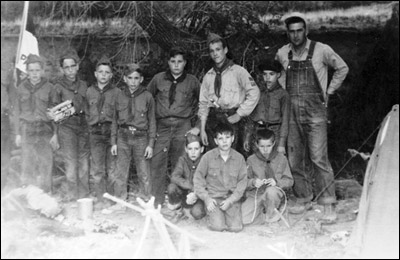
x=175 y=118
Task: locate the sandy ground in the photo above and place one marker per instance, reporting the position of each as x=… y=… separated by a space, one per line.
x=117 y=235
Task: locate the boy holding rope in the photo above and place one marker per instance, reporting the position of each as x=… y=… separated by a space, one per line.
x=268 y=175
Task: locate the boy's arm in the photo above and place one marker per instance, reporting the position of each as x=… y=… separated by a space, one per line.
x=114 y=124
x=250 y=176
x=152 y=87
x=252 y=93
x=283 y=174
x=241 y=184
x=178 y=174
x=199 y=181
x=152 y=122
x=284 y=130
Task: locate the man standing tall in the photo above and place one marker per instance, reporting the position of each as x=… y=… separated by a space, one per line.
x=306 y=65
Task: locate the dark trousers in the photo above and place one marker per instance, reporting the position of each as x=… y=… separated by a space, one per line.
x=178 y=195
x=75 y=151
x=230 y=220
x=5 y=148
x=169 y=145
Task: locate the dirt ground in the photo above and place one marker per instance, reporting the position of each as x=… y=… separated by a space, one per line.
x=31 y=235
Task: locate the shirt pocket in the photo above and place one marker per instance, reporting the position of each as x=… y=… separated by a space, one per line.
x=230 y=97
x=213 y=173
x=25 y=103
x=163 y=93
x=182 y=97
x=275 y=110
x=93 y=107
x=122 y=109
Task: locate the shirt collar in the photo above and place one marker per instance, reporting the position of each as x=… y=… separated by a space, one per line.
x=308 y=42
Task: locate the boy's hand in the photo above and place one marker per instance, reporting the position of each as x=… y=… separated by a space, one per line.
x=281 y=149
x=233 y=119
x=225 y=204
x=148 y=153
x=114 y=149
x=246 y=145
x=55 y=145
x=193 y=131
x=258 y=183
x=211 y=205
x=270 y=182
x=191 y=198
x=204 y=138
x=18 y=140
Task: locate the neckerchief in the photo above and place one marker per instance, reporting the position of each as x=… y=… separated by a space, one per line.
x=172 y=89
x=137 y=92
x=32 y=90
x=74 y=87
x=269 y=173
x=217 y=83
x=102 y=96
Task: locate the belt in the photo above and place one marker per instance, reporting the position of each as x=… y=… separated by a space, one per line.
x=230 y=111
x=36 y=123
x=178 y=117
x=266 y=125
x=101 y=124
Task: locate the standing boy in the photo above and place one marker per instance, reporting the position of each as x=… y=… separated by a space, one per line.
x=220 y=181
x=73 y=133
x=133 y=133
x=305 y=64
x=228 y=93
x=268 y=174
x=35 y=132
x=100 y=113
x=180 y=190
x=272 y=111
x=176 y=95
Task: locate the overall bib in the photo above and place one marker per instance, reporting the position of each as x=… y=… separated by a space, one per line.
x=308 y=140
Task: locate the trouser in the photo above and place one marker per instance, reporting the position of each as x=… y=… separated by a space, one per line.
x=230 y=220
x=178 y=195
x=169 y=146
x=266 y=200
x=37 y=155
x=5 y=148
x=130 y=146
x=102 y=163
x=308 y=151
x=74 y=144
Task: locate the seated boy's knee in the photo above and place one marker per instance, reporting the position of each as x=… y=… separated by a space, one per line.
x=235 y=229
x=172 y=188
x=216 y=228
x=198 y=211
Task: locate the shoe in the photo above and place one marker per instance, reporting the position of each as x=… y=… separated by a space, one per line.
x=330 y=215
x=274 y=217
x=167 y=212
x=300 y=208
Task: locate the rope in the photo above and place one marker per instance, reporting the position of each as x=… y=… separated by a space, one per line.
x=255 y=203
x=347 y=162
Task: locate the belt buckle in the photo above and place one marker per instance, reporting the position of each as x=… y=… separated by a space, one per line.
x=132 y=129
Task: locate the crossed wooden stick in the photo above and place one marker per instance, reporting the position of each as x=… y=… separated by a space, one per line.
x=159 y=222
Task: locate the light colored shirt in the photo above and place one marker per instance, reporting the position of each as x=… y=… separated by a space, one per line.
x=323 y=58
x=238 y=90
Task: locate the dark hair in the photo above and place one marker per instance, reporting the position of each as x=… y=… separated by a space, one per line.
x=129 y=69
x=178 y=51
x=223 y=128
x=265 y=134
x=295 y=19
x=222 y=40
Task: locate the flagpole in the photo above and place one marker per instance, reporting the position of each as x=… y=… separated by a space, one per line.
x=21 y=33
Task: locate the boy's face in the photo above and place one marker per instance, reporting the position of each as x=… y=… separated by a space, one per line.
x=133 y=80
x=35 y=72
x=270 y=77
x=70 y=69
x=194 y=150
x=224 y=141
x=177 y=64
x=103 y=74
x=218 y=53
x=265 y=146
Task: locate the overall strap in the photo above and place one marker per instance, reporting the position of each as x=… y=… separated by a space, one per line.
x=311 y=50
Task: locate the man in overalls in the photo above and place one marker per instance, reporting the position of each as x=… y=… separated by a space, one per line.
x=305 y=65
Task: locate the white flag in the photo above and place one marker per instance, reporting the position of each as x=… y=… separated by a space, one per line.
x=29 y=45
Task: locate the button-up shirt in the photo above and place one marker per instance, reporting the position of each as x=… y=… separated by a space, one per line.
x=186 y=96
x=215 y=178
x=323 y=58
x=76 y=92
x=279 y=165
x=238 y=90
x=143 y=109
x=184 y=172
x=33 y=102
x=95 y=115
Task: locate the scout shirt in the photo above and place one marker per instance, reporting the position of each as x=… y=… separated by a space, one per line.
x=238 y=90
x=143 y=111
x=186 y=97
x=215 y=178
x=323 y=57
x=100 y=110
x=33 y=102
x=184 y=172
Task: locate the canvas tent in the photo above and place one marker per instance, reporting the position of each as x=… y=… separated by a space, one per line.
x=376 y=233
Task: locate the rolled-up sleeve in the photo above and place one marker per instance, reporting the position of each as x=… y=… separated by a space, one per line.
x=337 y=63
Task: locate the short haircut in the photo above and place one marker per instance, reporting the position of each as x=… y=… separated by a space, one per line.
x=129 y=69
x=178 y=51
x=222 y=40
x=265 y=134
x=295 y=19
x=104 y=64
x=223 y=128
x=190 y=138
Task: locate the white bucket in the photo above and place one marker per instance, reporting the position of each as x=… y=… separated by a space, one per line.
x=85 y=208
